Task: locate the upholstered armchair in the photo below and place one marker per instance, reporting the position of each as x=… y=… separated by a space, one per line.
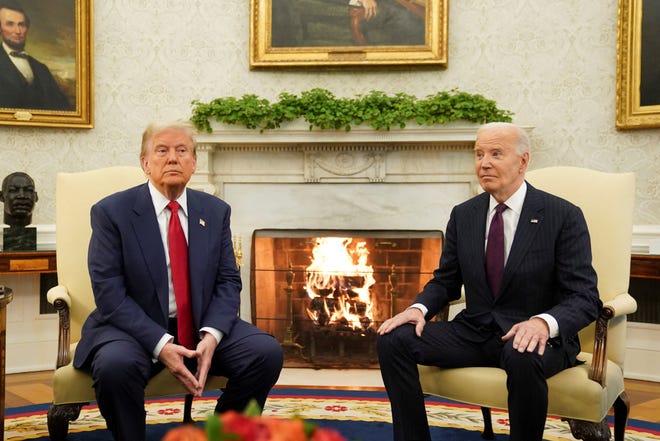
x=73 y=298
x=582 y=395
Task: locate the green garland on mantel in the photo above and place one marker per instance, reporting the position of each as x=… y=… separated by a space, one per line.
x=322 y=110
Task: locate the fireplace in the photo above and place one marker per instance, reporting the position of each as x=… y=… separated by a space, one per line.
x=324 y=293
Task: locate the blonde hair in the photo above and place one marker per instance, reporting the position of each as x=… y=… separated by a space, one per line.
x=154 y=128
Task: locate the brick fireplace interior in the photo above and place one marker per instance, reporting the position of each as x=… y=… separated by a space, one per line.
x=323 y=293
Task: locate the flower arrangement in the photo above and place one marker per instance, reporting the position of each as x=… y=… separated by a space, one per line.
x=250 y=426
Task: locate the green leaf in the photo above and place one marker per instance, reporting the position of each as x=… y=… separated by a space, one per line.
x=213 y=428
x=252 y=409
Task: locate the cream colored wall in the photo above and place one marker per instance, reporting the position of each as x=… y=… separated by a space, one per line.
x=552 y=63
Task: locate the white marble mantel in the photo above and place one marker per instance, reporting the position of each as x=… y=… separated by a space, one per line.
x=294 y=153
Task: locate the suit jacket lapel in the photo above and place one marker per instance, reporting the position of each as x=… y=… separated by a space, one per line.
x=10 y=72
x=198 y=241
x=476 y=225
x=151 y=244
x=530 y=220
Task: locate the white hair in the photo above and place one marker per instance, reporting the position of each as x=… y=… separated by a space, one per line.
x=523 y=142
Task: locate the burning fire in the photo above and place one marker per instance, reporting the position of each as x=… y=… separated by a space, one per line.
x=338 y=282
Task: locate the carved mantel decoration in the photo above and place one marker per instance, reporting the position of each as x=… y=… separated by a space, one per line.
x=351 y=162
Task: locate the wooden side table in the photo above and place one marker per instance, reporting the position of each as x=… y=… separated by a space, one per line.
x=645 y=266
x=28 y=262
x=6 y=296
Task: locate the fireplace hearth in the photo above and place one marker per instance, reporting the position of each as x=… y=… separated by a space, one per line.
x=323 y=293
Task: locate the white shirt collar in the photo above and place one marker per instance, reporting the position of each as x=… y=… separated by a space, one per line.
x=514 y=203
x=160 y=201
x=10 y=50
x=7 y=48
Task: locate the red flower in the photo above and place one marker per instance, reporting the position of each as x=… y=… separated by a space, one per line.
x=285 y=430
x=247 y=428
x=186 y=432
x=326 y=435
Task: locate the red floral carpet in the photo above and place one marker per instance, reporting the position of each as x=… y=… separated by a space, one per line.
x=357 y=415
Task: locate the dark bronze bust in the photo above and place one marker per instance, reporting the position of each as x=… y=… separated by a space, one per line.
x=19 y=196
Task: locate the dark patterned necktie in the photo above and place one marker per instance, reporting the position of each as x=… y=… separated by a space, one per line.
x=495 y=250
x=178 y=248
x=18 y=54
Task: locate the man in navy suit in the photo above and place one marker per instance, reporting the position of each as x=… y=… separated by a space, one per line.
x=25 y=83
x=129 y=337
x=528 y=325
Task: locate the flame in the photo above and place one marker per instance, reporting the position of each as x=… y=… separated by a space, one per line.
x=338 y=283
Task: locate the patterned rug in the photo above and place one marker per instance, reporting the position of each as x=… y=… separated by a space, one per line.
x=357 y=415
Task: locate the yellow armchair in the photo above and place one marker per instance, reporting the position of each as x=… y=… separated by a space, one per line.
x=584 y=394
x=73 y=298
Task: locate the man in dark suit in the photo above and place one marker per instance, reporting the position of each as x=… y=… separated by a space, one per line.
x=130 y=336
x=523 y=318
x=25 y=83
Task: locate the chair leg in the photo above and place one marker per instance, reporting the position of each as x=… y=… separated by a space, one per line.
x=488 y=424
x=187 y=410
x=588 y=431
x=58 y=419
x=621 y=412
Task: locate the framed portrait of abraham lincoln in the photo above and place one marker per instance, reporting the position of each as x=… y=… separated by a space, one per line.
x=304 y=33
x=638 y=69
x=46 y=63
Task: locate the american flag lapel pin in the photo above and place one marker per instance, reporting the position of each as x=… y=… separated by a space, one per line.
x=202 y=222
x=534 y=221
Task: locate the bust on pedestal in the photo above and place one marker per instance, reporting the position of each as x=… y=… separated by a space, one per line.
x=19 y=196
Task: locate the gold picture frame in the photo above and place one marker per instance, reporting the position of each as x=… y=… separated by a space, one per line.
x=295 y=33
x=58 y=48
x=638 y=70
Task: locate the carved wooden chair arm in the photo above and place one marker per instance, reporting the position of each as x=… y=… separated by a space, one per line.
x=621 y=305
x=58 y=296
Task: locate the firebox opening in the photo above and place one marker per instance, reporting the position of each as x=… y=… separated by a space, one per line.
x=323 y=293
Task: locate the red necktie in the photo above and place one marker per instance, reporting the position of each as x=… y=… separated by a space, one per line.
x=180 y=277
x=495 y=250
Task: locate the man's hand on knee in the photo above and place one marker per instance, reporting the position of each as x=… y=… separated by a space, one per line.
x=411 y=315
x=530 y=335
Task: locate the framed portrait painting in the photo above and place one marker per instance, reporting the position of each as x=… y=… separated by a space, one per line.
x=638 y=69
x=46 y=63
x=292 y=33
